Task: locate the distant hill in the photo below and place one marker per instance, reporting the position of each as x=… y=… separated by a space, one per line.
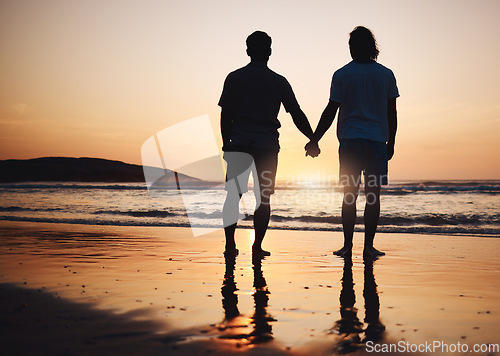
x=65 y=169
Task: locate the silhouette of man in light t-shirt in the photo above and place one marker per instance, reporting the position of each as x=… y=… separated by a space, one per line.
x=366 y=92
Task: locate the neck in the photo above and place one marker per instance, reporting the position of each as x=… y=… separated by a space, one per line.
x=259 y=62
x=364 y=61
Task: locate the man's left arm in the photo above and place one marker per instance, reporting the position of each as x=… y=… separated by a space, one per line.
x=300 y=120
x=292 y=107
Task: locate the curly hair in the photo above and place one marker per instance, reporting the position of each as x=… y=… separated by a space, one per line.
x=363 y=45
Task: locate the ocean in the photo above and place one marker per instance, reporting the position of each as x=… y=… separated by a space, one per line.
x=470 y=208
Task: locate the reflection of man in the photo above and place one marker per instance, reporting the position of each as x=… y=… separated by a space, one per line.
x=349 y=326
x=250 y=103
x=228 y=290
x=233 y=321
x=261 y=318
x=366 y=93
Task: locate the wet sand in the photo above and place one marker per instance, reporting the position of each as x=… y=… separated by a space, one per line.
x=106 y=290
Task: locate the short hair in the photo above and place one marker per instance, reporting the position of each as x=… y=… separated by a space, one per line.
x=259 y=45
x=363 y=45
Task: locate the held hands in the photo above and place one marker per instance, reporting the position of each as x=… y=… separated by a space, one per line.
x=312 y=149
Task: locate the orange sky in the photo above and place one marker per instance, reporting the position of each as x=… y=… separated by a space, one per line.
x=98 y=78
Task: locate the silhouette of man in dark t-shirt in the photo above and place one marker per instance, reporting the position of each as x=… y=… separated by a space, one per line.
x=250 y=102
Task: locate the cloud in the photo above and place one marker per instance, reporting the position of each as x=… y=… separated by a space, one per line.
x=19 y=108
x=12 y=110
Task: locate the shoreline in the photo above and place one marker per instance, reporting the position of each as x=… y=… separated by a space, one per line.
x=163 y=290
x=417 y=230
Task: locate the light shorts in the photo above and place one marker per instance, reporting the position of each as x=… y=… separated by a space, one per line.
x=361 y=155
x=263 y=163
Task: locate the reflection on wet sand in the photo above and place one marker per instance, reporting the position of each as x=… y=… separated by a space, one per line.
x=235 y=326
x=228 y=290
x=349 y=327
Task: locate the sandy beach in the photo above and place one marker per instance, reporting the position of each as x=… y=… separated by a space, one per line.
x=107 y=290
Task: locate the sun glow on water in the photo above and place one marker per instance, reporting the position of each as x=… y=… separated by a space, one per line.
x=313 y=180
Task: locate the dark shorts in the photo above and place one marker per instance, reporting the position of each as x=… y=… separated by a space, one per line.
x=262 y=163
x=362 y=155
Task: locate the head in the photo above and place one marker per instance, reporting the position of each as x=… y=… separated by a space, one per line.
x=363 y=45
x=259 y=46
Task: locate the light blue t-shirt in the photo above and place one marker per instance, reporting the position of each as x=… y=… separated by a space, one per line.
x=362 y=89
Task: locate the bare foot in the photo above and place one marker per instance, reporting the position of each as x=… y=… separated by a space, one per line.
x=372 y=252
x=231 y=252
x=260 y=253
x=343 y=252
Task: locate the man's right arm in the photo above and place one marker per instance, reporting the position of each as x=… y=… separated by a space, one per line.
x=226 y=103
x=392 y=118
x=326 y=120
x=226 y=127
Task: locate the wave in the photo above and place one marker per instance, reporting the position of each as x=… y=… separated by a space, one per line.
x=411 y=229
x=85 y=186
x=412 y=189
x=18 y=208
x=163 y=214
x=422 y=220
x=83 y=221
x=399 y=188
x=451 y=182
x=443 y=188
x=141 y=213
x=322 y=218
x=281 y=216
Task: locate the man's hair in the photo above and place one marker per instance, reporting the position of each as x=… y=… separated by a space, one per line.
x=363 y=45
x=259 y=45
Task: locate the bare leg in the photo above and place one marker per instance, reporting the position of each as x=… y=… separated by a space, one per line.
x=260 y=223
x=348 y=219
x=371 y=217
x=230 y=213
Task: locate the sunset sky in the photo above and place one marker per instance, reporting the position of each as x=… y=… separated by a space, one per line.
x=97 y=78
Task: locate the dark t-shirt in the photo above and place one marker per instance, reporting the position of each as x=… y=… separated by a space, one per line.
x=252 y=97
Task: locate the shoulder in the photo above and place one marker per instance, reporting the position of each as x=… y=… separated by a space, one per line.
x=389 y=79
x=275 y=76
x=237 y=73
x=237 y=78
x=383 y=69
x=346 y=69
x=278 y=80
